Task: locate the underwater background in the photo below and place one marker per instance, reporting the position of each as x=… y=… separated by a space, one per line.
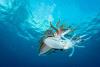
x=23 y=22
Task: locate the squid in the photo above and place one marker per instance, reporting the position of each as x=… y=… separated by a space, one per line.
x=50 y=43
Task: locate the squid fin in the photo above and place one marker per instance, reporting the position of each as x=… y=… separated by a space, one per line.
x=44 y=49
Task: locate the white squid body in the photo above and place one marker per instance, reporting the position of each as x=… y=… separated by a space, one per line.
x=55 y=43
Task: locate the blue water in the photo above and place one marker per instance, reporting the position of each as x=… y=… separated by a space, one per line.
x=23 y=22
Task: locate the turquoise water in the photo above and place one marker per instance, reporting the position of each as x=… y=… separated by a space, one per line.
x=23 y=22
